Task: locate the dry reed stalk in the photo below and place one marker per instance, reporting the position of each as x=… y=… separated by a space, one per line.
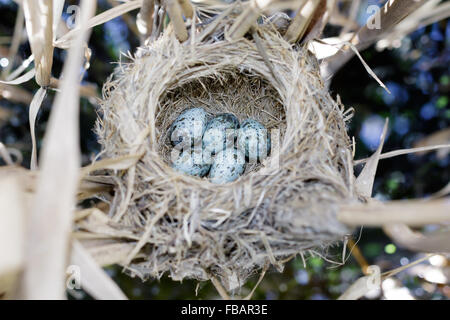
x=107 y=253
x=15 y=94
x=357 y=254
x=419 y=150
x=66 y=40
x=94 y=280
x=319 y=20
x=409 y=212
x=301 y=21
x=393 y=12
x=4 y=154
x=373 y=280
x=187 y=8
x=41 y=19
x=412 y=240
x=12 y=232
x=16 y=73
x=437 y=139
x=176 y=18
x=39 y=25
x=248 y=17
x=32 y=115
x=87 y=90
x=50 y=218
x=365 y=180
x=58 y=7
x=88 y=186
x=391 y=273
x=441 y=193
x=145 y=18
x=338 y=19
x=352 y=16
x=431 y=12
x=21 y=79
x=245 y=21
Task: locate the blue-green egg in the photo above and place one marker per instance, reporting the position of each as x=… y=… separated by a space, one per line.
x=227 y=166
x=254 y=140
x=220 y=133
x=188 y=127
x=190 y=162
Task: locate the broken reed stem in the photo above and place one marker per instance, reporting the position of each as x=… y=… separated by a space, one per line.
x=404 y=151
x=263 y=54
x=356 y=253
x=220 y=289
x=66 y=40
x=86 y=90
x=261 y=277
x=45 y=65
x=174 y=11
x=4 y=154
x=391 y=14
x=301 y=21
x=245 y=20
x=417 y=241
x=50 y=220
x=146 y=16
x=411 y=213
x=395 y=271
x=95 y=280
x=187 y=8
x=39 y=25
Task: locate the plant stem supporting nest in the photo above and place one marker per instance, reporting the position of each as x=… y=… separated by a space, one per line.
x=174 y=10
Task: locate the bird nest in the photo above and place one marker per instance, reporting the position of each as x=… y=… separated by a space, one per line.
x=188 y=227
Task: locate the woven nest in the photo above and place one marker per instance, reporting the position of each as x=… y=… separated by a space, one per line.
x=189 y=227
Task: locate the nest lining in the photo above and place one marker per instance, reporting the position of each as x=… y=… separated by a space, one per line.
x=190 y=227
x=240 y=94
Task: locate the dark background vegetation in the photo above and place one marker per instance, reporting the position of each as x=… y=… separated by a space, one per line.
x=417 y=74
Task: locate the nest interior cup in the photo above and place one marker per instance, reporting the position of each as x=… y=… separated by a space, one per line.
x=189 y=227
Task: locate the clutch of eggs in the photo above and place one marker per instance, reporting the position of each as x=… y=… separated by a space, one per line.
x=209 y=145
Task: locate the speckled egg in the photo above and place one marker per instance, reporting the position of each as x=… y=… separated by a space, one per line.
x=189 y=126
x=227 y=166
x=220 y=133
x=190 y=162
x=254 y=140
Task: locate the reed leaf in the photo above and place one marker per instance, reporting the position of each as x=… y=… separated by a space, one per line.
x=39 y=25
x=94 y=279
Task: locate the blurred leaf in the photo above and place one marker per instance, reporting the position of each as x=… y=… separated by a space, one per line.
x=50 y=219
x=94 y=279
x=363 y=285
x=12 y=231
x=410 y=212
